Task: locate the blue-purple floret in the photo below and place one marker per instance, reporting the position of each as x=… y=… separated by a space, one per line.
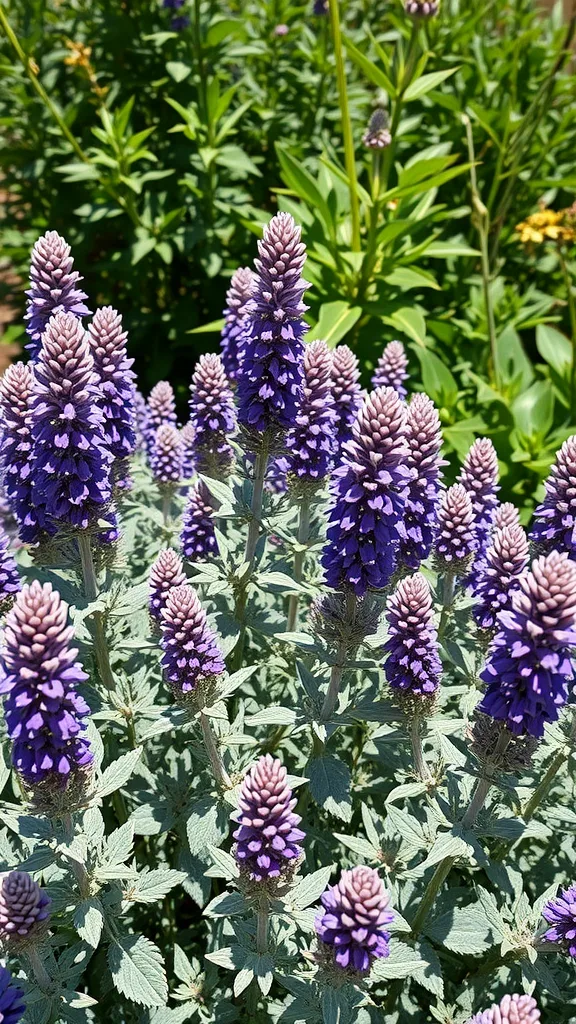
x=392 y=369
x=479 y=476
x=424 y=438
x=116 y=382
x=413 y=664
x=71 y=468
x=10 y=583
x=213 y=416
x=346 y=392
x=271 y=373
x=53 y=287
x=506 y=560
x=234 y=331
x=555 y=517
x=16 y=451
x=311 y=441
x=560 y=913
x=191 y=652
x=198 y=537
x=370 y=486
x=455 y=538
x=12 y=1006
x=352 y=928
x=166 y=572
x=512 y=1009
x=530 y=663
x=45 y=714
x=268 y=837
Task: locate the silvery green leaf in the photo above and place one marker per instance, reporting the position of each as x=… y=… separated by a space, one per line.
x=78 y=1000
x=152 y=886
x=231 y=958
x=309 y=889
x=407 y=826
x=226 y=905
x=330 y=785
x=406 y=791
x=244 y=978
x=117 y=774
x=224 y=864
x=138 y=970
x=462 y=929
x=89 y=920
x=430 y=976
x=403 y=961
x=208 y=823
x=359 y=845
x=273 y=715
x=274 y=580
x=118 y=845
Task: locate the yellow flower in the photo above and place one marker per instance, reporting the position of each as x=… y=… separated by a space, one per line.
x=546 y=225
x=79 y=56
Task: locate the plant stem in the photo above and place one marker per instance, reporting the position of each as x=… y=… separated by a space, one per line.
x=349 y=155
x=440 y=875
x=340 y=664
x=543 y=788
x=303 y=533
x=482 y=224
x=447 y=602
x=260 y=466
x=262 y=918
x=166 y=507
x=481 y=790
x=422 y=770
x=217 y=765
x=572 y=310
x=91 y=592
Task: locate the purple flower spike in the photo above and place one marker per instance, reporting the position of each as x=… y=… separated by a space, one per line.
x=455 y=540
x=116 y=379
x=510 y=1010
x=12 y=1005
x=391 y=371
x=352 y=928
x=167 y=572
x=479 y=477
x=311 y=442
x=213 y=416
x=187 y=436
x=71 y=463
x=9 y=579
x=506 y=514
x=160 y=409
x=53 y=287
x=44 y=711
x=506 y=560
x=198 y=538
x=560 y=912
x=15 y=398
x=530 y=661
x=424 y=438
x=268 y=836
x=167 y=455
x=555 y=526
x=422 y=8
x=413 y=664
x=346 y=392
x=377 y=136
x=140 y=420
x=234 y=331
x=365 y=523
x=24 y=908
x=270 y=378
x=191 y=652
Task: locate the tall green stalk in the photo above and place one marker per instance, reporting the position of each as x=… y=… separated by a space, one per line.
x=95 y=621
x=254 y=528
x=303 y=533
x=349 y=155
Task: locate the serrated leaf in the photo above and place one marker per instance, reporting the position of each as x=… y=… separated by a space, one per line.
x=224 y=864
x=462 y=929
x=137 y=970
x=329 y=781
x=402 y=962
x=89 y=921
x=117 y=774
x=309 y=889
x=208 y=824
x=358 y=845
x=152 y=886
x=227 y=904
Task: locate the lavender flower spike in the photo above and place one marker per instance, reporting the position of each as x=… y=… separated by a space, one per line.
x=198 y=538
x=167 y=456
x=270 y=378
x=352 y=928
x=560 y=913
x=160 y=409
x=233 y=333
x=167 y=572
x=422 y=8
x=455 y=540
x=377 y=136
x=24 y=908
x=116 y=380
x=510 y=1010
x=71 y=463
x=555 y=526
x=479 y=477
x=213 y=416
x=12 y=1006
x=44 y=712
x=53 y=286
x=506 y=514
x=191 y=652
x=413 y=664
x=9 y=578
x=346 y=392
x=506 y=560
x=365 y=523
x=530 y=662
x=311 y=442
x=15 y=397
x=391 y=370
x=267 y=836
x=424 y=438
x=187 y=436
